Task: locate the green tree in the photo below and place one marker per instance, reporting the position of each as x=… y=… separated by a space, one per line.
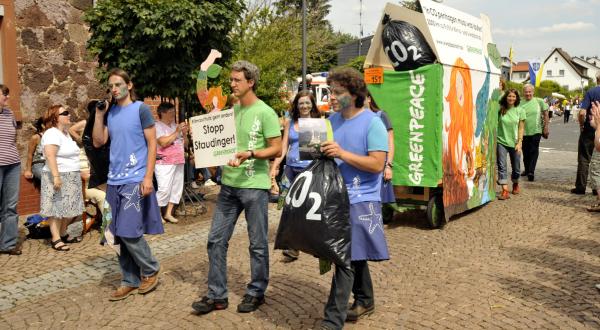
x=271 y=37
x=356 y=63
x=269 y=41
x=551 y=85
x=317 y=10
x=160 y=42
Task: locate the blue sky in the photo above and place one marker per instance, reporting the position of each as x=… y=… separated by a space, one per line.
x=533 y=27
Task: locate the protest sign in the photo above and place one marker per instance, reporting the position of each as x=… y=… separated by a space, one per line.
x=214 y=139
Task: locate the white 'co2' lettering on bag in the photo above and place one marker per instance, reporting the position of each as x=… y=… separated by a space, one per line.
x=403 y=55
x=302 y=184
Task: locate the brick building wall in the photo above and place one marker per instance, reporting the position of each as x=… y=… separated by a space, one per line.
x=53 y=67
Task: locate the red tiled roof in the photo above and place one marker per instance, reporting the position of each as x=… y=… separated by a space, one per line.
x=520 y=67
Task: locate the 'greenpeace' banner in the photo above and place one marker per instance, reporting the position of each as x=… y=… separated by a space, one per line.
x=214 y=138
x=412 y=99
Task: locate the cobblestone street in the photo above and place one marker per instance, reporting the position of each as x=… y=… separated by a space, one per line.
x=529 y=262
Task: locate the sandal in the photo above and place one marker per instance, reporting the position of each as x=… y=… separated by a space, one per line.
x=65 y=239
x=57 y=247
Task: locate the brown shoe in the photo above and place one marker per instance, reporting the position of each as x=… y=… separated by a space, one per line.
x=149 y=283
x=504 y=195
x=122 y=293
x=594 y=208
x=14 y=252
x=516 y=188
x=358 y=311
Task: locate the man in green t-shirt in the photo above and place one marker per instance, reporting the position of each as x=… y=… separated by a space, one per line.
x=245 y=188
x=536 y=127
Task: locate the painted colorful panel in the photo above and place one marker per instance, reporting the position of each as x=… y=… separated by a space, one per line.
x=470 y=119
x=413 y=101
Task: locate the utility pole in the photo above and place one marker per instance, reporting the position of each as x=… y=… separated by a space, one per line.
x=360 y=13
x=304 y=87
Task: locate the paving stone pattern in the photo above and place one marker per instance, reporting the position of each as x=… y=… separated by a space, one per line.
x=529 y=262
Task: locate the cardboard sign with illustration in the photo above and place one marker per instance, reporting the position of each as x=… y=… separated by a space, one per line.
x=213 y=134
x=440 y=90
x=212 y=99
x=214 y=138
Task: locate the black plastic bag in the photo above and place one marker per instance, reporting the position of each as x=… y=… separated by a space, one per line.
x=316 y=214
x=98 y=157
x=405 y=45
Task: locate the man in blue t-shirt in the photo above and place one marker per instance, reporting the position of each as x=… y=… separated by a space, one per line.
x=359 y=148
x=585 y=145
x=130 y=192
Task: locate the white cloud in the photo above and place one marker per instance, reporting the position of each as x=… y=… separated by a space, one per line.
x=535 y=32
x=577 y=26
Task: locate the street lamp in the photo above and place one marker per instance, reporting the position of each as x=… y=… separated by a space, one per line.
x=304 y=87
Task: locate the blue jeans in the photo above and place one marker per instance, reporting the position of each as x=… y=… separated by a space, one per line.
x=136 y=260
x=10 y=177
x=230 y=203
x=515 y=164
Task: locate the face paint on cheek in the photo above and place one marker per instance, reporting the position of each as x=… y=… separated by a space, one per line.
x=123 y=91
x=344 y=101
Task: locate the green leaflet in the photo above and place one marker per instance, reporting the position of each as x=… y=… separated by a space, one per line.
x=213 y=71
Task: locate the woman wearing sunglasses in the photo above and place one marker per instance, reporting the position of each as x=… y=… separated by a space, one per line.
x=61 y=199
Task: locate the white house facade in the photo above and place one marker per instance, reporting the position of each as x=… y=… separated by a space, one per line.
x=592 y=70
x=559 y=67
x=594 y=60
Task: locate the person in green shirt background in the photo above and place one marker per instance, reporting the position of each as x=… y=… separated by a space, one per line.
x=511 y=126
x=536 y=127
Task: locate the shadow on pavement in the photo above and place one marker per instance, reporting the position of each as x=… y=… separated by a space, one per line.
x=566 y=202
x=556 y=282
x=589 y=246
x=411 y=219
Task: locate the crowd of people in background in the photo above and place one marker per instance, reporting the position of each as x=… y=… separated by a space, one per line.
x=144 y=176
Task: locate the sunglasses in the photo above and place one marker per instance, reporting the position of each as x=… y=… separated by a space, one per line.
x=64 y=113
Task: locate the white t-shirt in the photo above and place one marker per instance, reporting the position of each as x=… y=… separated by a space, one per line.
x=67 y=157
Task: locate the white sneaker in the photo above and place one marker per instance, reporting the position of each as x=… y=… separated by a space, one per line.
x=194 y=185
x=209 y=183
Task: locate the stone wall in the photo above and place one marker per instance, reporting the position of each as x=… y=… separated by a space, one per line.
x=53 y=64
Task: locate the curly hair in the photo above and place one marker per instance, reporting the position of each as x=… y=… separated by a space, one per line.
x=504 y=102
x=351 y=80
x=295 y=112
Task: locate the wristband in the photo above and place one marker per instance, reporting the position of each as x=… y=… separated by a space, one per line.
x=251 y=153
x=390 y=165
